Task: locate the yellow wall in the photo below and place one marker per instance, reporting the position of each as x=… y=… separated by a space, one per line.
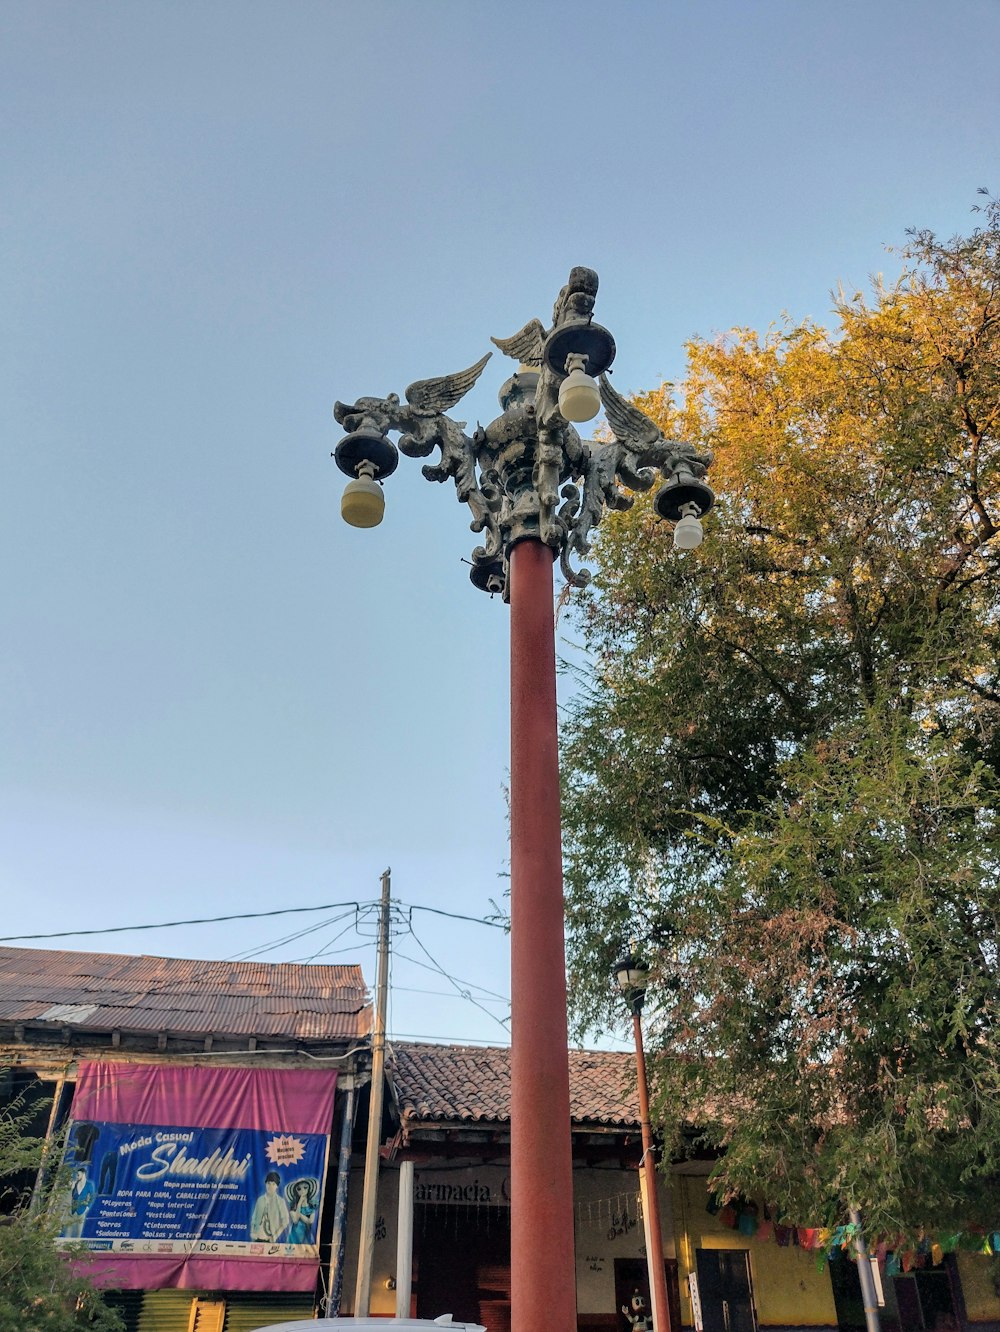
x=788 y=1286
x=981 y=1300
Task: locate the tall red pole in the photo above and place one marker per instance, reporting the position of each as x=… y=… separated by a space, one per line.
x=657 y=1278
x=543 y=1266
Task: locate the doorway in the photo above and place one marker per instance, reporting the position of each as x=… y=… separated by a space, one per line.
x=928 y=1299
x=726 y=1290
x=631 y=1275
x=462 y=1264
x=925 y=1299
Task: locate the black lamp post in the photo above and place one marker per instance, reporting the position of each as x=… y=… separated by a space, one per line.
x=632 y=975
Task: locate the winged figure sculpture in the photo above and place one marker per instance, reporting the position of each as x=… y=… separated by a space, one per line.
x=525 y=346
x=433 y=396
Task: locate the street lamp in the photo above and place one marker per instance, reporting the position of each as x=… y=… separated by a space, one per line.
x=513 y=474
x=632 y=975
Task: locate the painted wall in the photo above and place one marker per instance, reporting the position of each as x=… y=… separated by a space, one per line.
x=788 y=1285
x=383 y=1300
x=982 y=1304
x=607 y=1220
x=609 y=1226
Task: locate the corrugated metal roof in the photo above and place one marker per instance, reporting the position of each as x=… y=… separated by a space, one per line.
x=470 y=1084
x=112 y=991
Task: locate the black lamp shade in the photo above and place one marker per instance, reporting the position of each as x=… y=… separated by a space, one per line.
x=632 y=975
x=590 y=340
x=366 y=445
x=683 y=488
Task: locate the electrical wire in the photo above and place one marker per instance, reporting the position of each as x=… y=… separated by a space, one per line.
x=444 y=1040
x=465 y=993
x=436 y=970
x=289 y=938
x=172 y=924
x=321 y=952
x=437 y=994
x=454 y=915
x=398 y=907
x=389 y=991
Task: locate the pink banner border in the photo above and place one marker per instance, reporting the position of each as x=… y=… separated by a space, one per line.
x=294 y=1100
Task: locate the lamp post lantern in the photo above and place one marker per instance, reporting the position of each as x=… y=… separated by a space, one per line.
x=632 y=975
x=513 y=474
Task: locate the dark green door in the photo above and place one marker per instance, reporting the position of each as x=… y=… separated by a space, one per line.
x=725 y=1289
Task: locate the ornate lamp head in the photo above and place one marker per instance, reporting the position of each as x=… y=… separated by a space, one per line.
x=683 y=500
x=528 y=476
x=367 y=456
x=577 y=352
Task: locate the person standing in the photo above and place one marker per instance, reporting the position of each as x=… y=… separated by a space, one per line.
x=81 y=1195
x=302 y=1205
x=270 y=1217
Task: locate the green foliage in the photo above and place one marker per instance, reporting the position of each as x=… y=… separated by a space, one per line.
x=38 y=1289
x=782 y=777
x=18 y=1149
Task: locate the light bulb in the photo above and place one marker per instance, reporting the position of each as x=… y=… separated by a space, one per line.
x=579 y=396
x=688 y=530
x=363 y=502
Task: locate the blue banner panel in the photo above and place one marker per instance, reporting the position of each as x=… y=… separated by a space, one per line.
x=141 y=1188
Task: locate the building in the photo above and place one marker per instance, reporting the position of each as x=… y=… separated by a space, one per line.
x=199 y=1102
x=140 y=1062
x=452 y=1131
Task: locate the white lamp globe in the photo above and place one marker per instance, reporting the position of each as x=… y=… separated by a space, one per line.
x=579 y=397
x=688 y=533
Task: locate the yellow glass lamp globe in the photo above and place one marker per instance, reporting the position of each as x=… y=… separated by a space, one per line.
x=363 y=502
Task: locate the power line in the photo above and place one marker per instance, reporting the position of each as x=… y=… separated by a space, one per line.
x=437 y=971
x=454 y=915
x=322 y=952
x=171 y=924
x=444 y=1040
x=289 y=938
x=437 y=994
x=466 y=994
x=248 y=915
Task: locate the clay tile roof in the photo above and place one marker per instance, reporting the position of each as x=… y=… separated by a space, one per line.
x=471 y=1084
x=111 y=991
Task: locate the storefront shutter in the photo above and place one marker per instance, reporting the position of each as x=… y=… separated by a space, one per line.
x=207 y=1316
x=246 y=1313
x=165 y=1311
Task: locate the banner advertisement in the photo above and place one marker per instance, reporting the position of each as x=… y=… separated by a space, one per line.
x=198 y=1177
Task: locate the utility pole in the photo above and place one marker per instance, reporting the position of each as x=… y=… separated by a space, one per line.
x=363 y=1291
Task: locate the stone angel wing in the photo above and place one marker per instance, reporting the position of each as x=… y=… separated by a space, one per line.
x=525 y=346
x=435 y=396
x=641 y=441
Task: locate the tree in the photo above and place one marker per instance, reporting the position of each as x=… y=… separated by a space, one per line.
x=781 y=772
x=39 y=1291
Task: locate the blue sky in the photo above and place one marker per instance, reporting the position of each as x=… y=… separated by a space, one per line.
x=215 y=220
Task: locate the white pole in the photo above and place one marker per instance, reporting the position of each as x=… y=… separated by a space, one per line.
x=868 y=1293
x=404 y=1241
